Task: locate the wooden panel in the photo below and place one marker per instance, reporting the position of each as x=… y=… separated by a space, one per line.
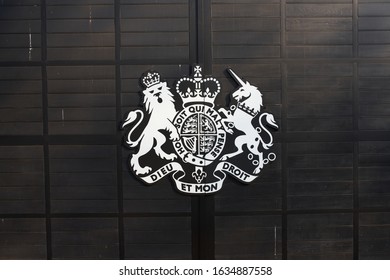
x=320 y=236
x=22 y=188
x=11 y=27
x=178 y=53
x=247 y=11
x=22 y=238
x=157 y=238
x=318 y=10
x=373 y=86
x=248 y=237
x=85 y=238
x=322 y=38
x=66 y=20
x=155 y=25
x=65 y=12
x=320 y=97
x=20 y=37
x=230 y=52
x=168 y=39
x=323 y=110
x=310 y=76
x=374 y=51
x=374 y=37
x=247 y=38
x=155 y=11
x=80 y=26
x=81 y=100
x=83 y=179
x=154 y=1
x=318 y=24
x=21 y=101
x=320 y=69
x=155 y=32
x=245 y=1
x=319 y=51
x=374 y=23
x=246 y=25
x=374 y=236
x=318 y=30
x=373 y=18
x=316 y=1
x=20 y=2
x=79 y=2
x=318 y=124
x=255 y=26
x=374 y=9
x=320 y=176
x=374 y=167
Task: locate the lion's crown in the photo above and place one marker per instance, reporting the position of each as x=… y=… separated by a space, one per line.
x=151 y=79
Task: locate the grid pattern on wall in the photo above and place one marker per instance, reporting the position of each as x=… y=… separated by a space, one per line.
x=69 y=72
x=322 y=68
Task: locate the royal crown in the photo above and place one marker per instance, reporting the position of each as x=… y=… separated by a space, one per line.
x=197 y=89
x=150 y=79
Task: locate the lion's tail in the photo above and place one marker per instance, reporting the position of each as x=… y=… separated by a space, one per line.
x=133 y=116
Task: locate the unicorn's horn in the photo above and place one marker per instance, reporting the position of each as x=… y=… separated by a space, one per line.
x=235 y=77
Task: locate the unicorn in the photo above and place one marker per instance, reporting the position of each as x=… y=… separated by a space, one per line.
x=249 y=102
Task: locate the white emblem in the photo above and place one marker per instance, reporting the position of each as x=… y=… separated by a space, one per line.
x=205 y=143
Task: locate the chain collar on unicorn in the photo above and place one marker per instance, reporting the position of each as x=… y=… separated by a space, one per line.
x=199 y=143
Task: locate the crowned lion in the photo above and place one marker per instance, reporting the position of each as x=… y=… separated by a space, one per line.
x=159 y=104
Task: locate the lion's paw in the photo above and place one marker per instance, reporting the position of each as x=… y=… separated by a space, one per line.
x=174 y=136
x=143 y=170
x=170 y=157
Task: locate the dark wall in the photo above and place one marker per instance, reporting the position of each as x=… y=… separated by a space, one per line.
x=69 y=73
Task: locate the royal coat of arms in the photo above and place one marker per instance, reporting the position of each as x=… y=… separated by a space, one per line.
x=198 y=143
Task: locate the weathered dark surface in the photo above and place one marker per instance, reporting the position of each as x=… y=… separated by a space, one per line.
x=69 y=72
x=316 y=66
